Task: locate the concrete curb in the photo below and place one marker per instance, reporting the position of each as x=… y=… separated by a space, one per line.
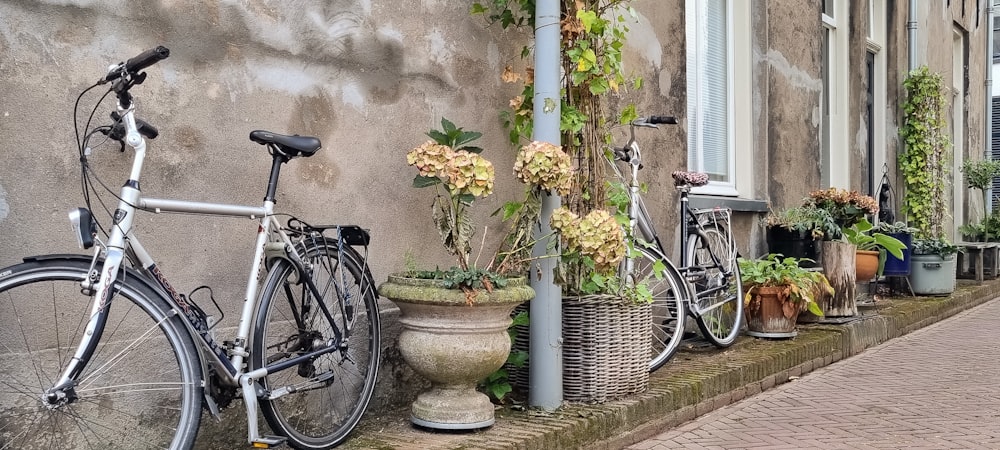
x=694 y=383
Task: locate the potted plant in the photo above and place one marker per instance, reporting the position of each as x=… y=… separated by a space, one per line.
x=933 y=268
x=795 y=232
x=455 y=321
x=847 y=207
x=924 y=168
x=979 y=174
x=903 y=233
x=593 y=36
x=776 y=289
x=837 y=256
x=872 y=248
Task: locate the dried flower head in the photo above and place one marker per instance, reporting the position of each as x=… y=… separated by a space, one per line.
x=545 y=165
x=430 y=158
x=845 y=206
x=469 y=173
x=597 y=236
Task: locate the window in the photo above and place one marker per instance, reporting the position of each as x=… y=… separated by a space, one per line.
x=834 y=157
x=719 y=95
x=877 y=103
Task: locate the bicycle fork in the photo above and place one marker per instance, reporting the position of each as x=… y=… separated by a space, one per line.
x=64 y=391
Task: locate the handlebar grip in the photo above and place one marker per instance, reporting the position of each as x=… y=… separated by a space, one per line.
x=138 y=62
x=146 y=59
x=143 y=127
x=663 y=119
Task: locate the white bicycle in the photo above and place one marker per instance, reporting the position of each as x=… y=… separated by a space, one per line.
x=102 y=352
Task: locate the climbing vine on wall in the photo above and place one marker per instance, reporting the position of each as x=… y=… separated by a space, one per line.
x=593 y=36
x=923 y=163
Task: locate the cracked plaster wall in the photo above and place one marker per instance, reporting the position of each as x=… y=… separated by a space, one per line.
x=368 y=78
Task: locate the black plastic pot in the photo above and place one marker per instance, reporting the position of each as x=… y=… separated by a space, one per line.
x=793 y=243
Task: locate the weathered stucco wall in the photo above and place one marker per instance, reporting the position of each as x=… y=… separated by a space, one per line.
x=795 y=86
x=369 y=78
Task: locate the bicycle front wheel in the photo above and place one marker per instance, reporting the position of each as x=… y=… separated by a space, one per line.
x=718 y=301
x=141 y=388
x=668 y=304
x=318 y=402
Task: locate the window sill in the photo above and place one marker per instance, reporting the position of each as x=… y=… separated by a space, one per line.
x=736 y=204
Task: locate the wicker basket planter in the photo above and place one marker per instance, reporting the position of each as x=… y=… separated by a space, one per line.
x=606 y=349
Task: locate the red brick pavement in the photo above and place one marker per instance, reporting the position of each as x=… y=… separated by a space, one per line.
x=937 y=388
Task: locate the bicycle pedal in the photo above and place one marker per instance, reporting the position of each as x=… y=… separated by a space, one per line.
x=268 y=441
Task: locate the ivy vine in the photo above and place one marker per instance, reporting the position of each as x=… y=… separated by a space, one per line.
x=593 y=34
x=923 y=162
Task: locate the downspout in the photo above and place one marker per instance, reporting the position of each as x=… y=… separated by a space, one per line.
x=988 y=151
x=911 y=36
x=545 y=388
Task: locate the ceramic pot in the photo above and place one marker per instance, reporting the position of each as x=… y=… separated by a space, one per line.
x=866 y=265
x=895 y=266
x=770 y=317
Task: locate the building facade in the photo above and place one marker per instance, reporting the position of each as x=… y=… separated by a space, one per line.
x=776 y=98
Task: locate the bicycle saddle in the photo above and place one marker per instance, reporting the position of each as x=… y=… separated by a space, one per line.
x=693 y=179
x=291 y=146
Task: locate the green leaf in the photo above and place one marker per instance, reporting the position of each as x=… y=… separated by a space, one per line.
x=510 y=209
x=439 y=137
x=587 y=18
x=421 y=181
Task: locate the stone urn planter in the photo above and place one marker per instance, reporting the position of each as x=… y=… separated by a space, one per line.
x=454 y=344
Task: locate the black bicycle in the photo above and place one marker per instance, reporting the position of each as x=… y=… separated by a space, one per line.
x=706 y=285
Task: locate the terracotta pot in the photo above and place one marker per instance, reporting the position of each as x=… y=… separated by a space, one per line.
x=866 y=265
x=769 y=316
x=454 y=345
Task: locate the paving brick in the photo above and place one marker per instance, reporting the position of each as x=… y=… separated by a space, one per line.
x=884 y=402
x=934 y=388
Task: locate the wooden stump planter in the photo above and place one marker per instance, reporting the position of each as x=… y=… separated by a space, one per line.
x=839 y=266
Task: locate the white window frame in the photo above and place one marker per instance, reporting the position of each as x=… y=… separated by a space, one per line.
x=836 y=170
x=739 y=101
x=876 y=44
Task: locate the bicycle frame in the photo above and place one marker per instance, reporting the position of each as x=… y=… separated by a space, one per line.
x=640 y=220
x=271 y=241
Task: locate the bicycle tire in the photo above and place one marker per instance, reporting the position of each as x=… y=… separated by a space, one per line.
x=719 y=316
x=324 y=415
x=127 y=396
x=668 y=311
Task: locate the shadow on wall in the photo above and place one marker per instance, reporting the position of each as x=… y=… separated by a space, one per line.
x=294 y=46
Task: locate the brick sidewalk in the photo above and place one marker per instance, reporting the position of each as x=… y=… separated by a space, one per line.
x=692 y=385
x=935 y=388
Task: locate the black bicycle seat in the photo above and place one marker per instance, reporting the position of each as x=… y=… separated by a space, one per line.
x=291 y=146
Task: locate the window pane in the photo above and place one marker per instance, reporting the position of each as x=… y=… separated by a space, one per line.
x=708 y=89
x=715 y=150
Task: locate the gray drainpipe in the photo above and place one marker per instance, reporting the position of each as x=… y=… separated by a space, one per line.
x=545 y=389
x=989 y=99
x=911 y=30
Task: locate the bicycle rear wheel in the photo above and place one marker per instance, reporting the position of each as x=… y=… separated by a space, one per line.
x=140 y=389
x=668 y=304
x=323 y=398
x=718 y=300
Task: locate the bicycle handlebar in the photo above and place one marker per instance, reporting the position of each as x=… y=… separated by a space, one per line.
x=671 y=120
x=137 y=63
